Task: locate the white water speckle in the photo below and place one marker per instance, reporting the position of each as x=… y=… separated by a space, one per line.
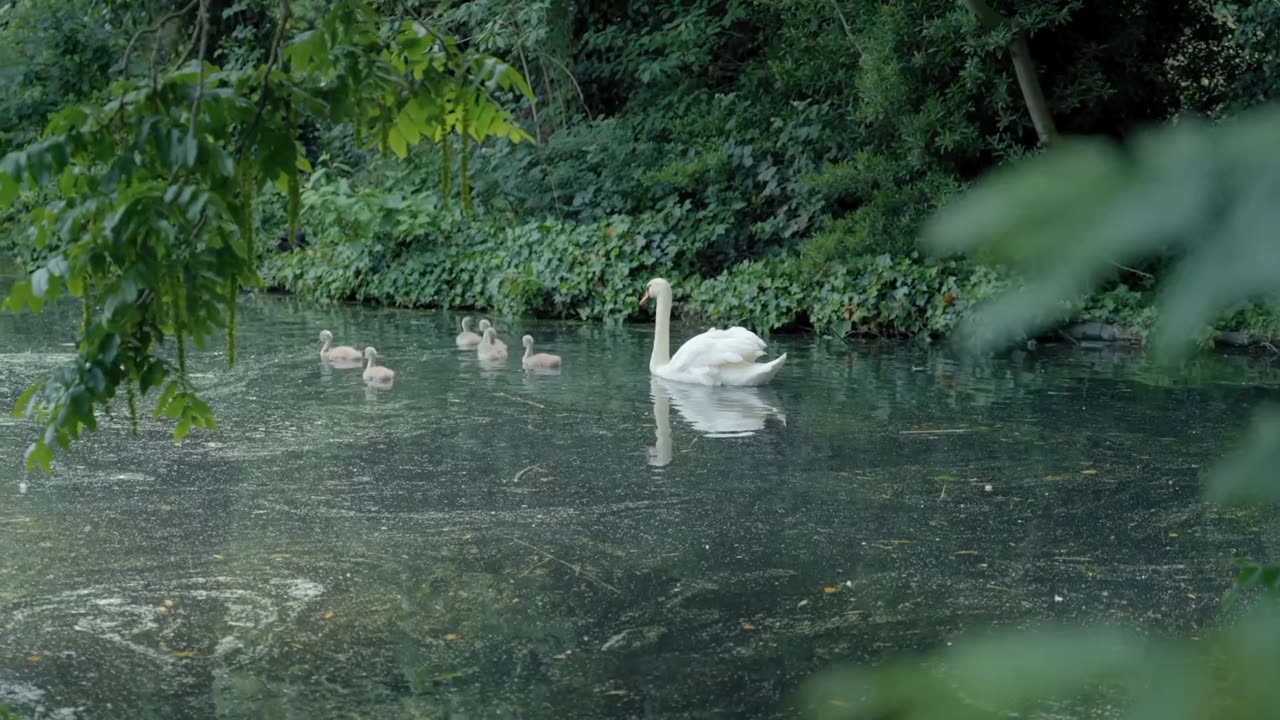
x=18 y=692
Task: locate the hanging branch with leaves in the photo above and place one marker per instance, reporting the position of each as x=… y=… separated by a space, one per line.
x=152 y=225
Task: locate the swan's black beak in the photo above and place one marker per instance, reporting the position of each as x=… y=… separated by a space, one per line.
x=644 y=299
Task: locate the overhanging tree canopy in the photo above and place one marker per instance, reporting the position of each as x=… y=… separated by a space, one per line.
x=152 y=220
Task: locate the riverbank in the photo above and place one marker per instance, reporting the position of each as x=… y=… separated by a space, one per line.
x=405 y=256
x=597 y=272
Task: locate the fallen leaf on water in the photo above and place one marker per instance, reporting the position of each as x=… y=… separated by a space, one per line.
x=329 y=615
x=161 y=610
x=452 y=636
x=34 y=658
x=1193 y=596
x=561 y=656
x=1090 y=471
x=168 y=603
x=217 y=556
x=183 y=653
x=1055 y=477
x=749 y=626
x=1173 y=534
x=830 y=589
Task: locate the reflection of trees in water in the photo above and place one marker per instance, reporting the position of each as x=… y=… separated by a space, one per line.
x=1064 y=392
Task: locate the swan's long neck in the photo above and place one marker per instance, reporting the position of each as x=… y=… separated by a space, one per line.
x=528 y=350
x=662 y=332
x=327 y=344
x=368 y=362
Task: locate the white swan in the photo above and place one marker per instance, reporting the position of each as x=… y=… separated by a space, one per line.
x=716 y=357
x=490 y=347
x=537 y=361
x=341 y=354
x=467 y=338
x=374 y=373
x=484 y=325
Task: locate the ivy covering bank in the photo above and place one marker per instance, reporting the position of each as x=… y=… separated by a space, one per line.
x=410 y=251
x=382 y=247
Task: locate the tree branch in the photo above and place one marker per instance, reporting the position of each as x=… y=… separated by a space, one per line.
x=203 y=19
x=1024 y=68
x=273 y=57
x=153 y=28
x=581 y=97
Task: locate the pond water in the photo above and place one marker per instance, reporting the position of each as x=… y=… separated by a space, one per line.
x=476 y=542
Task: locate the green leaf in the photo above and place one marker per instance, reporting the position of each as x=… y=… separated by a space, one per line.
x=39 y=453
x=8 y=190
x=308 y=51
x=40 y=282
x=408 y=127
x=19 y=296
x=23 y=407
x=199 y=407
x=399 y=145
x=165 y=396
x=192 y=148
x=184 y=427
x=152 y=376
x=222 y=161
x=1249 y=474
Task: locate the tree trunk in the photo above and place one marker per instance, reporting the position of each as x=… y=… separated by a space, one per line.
x=1025 y=68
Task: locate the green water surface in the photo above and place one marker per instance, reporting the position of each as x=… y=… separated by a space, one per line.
x=477 y=542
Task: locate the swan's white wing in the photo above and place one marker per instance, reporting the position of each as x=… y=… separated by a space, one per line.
x=715 y=348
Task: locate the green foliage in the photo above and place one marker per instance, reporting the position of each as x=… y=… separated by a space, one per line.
x=52 y=53
x=412 y=250
x=1255 y=36
x=1123 y=306
x=1264 y=577
x=149 y=214
x=730 y=109
x=409 y=249
x=882 y=294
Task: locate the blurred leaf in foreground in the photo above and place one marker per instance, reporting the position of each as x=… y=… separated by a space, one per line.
x=1250 y=474
x=1068 y=217
x=1205 y=196
x=1227 y=675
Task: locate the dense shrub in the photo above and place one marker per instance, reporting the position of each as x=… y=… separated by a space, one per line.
x=411 y=250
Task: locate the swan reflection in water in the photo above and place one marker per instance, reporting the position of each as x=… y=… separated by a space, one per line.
x=718 y=412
